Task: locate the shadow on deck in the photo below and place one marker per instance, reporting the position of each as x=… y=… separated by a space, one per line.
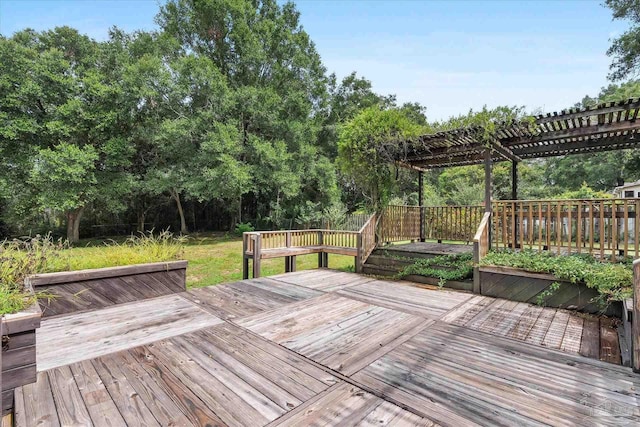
x=323 y=347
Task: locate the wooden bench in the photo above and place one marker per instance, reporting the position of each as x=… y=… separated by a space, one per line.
x=292 y=243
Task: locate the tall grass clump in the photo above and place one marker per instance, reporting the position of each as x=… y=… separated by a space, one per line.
x=20 y=258
x=137 y=249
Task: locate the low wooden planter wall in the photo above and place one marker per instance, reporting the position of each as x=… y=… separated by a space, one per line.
x=18 y=352
x=83 y=290
x=519 y=285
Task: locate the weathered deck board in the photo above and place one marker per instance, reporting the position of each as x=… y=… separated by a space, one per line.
x=548 y=327
x=407 y=298
x=292 y=355
x=348 y=405
x=504 y=383
x=65 y=340
x=215 y=376
x=338 y=332
x=325 y=280
x=247 y=297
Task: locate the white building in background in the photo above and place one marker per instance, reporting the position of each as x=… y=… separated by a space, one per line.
x=628 y=190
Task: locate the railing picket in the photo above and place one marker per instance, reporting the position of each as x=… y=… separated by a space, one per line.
x=626 y=228
x=540 y=226
x=603 y=226
x=569 y=227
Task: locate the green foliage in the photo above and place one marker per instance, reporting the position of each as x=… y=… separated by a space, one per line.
x=544 y=295
x=584 y=192
x=244 y=227
x=456 y=267
x=335 y=216
x=613 y=281
x=137 y=249
x=625 y=49
x=368 y=144
x=19 y=259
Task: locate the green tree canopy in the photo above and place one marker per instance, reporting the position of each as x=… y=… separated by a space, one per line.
x=369 y=144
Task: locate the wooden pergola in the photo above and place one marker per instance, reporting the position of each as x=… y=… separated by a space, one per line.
x=605 y=127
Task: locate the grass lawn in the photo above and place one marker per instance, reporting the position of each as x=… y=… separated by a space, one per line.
x=214 y=259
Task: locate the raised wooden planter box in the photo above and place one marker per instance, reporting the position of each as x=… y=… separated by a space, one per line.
x=19 y=351
x=520 y=285
x=75 y=291
x=85 y=290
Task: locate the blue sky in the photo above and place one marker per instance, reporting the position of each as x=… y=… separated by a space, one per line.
x=448 y=55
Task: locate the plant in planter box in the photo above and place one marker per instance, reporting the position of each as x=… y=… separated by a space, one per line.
x=18 y=260
x=612 y=280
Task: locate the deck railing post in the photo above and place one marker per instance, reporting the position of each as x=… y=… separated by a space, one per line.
x=320 y=254
x=257 y=249
x=359 y=256
x=635 y=318
x=287 y=259
x=245 y=257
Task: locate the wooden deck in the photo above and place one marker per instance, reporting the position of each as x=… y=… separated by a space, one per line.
x=325 y=348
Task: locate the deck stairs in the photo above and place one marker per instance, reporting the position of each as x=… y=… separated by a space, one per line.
x=389 y=261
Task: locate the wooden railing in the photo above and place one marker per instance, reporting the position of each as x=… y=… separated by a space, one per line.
x=366 y=242
x=635 y=318
x=604 y=227
x=399 y=223
x=481 y=246
x=288 y=244
x=456 y=223
x=481 y=242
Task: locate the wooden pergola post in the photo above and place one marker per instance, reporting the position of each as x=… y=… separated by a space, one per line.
x=487 y=185
x=514 y=180
x=420 y=204
x=514 y=196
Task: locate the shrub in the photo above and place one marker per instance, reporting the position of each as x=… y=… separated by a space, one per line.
x=244 y=227
x=613 y=281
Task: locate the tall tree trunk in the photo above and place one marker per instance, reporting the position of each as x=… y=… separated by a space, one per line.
x=73 y=224
x=141 y=218
x=183 y=223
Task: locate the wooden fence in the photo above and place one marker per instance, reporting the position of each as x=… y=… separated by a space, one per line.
x=602 y=227
x=456 y=223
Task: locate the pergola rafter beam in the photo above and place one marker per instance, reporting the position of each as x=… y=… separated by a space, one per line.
x=611 y=126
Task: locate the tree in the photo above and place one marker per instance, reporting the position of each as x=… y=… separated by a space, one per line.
x=625 y=49
x=62 y=144
x=278 y=87
x=368 y=146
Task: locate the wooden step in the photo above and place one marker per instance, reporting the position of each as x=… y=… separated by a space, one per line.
x=413 y=251
x=397 y=264
x=378 y=270
x=397 y=253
